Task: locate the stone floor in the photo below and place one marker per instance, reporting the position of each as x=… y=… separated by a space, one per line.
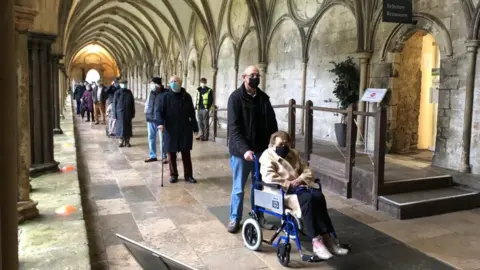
x=123 y=195
x=52 y=241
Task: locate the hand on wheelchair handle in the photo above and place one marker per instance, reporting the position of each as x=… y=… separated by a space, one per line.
x=248 y=155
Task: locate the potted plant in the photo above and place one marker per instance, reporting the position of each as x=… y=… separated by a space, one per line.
x=346 y=91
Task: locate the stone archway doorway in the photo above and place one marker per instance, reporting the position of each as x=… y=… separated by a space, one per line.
x=92 y=76
x=414 y=101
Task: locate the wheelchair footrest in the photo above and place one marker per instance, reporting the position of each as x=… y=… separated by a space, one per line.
x=311 y=258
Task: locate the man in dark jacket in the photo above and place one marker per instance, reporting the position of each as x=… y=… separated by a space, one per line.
x=178 y=122
x=152 y=108
x=78 y=94
x=203 y=104
x=124 y=112
x=251 y=122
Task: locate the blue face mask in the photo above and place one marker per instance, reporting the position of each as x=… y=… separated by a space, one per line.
x=175 y=87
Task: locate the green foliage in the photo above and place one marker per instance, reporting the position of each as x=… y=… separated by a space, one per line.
x=346 y=83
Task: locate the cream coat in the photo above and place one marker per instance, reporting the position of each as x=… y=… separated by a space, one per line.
x=277 y=170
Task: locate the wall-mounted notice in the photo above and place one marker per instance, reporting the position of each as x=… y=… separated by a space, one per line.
x=397 y=11
x=375 y=95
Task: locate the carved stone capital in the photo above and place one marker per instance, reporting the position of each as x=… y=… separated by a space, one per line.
x=472 y=45
x=24 y=18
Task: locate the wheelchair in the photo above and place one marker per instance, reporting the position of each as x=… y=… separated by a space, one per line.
x=291 y=226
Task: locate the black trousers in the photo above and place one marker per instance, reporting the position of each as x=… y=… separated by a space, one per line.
x=89 y=114
x=187 y=164
x=314 y=213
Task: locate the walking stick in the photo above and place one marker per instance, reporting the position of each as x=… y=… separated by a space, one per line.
x=161 y=153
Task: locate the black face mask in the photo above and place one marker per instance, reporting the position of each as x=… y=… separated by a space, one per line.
x=282 y=151
x=254 y=82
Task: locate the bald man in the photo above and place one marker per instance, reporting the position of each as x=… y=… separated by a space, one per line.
x=177 y=121
x=251 y=121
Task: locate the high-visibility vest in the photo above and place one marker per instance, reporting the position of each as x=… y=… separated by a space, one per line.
x=204 y=98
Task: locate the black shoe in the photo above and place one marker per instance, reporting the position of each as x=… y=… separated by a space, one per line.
x=165 y=161
x=204 y=139
x=233 y=226
x=191 y=180
x=150 y=160
x=128 y=145
x=122 y=143
x=173 y=179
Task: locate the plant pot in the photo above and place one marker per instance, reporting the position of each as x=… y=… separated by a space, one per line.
x=341 y=134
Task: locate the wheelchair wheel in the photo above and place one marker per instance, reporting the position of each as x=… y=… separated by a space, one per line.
x=283 y=254
x=252 y=234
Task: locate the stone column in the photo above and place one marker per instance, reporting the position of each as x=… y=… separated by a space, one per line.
x=262 y=67
x=8 y=141
x=364 y=62
x=27 y=209
x=472 y=49
x=214 y=84
x=236 y=76
x=41 y=104
x=56 y=93
x=64 y=86
x=304 y=93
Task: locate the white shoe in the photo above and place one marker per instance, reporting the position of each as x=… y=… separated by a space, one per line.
x=334 y=247
x=322 y=252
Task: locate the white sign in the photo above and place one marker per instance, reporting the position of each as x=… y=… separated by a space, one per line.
x=374 y=95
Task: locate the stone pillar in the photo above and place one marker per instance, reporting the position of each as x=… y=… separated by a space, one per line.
x=236 y=76
x=8 y=141
x=56 y=93
x=262 y=67
x=304 y=93
x=64 y=86
x=364 y=62
x=472 y=49
x=41 y=104
x=214 y=84
x=24 y=17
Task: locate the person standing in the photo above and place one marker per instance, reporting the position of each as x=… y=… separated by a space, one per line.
x=177 y=121
x=152 y=108
x=203 y=104
x=251 y=122
x=99 y=98
x=124 y=112
x=111 y=96
x=87 y=103
x=78 y=95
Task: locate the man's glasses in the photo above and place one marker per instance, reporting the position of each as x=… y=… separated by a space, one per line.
x=253 y=75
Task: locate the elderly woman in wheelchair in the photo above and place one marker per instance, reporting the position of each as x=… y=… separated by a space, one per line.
x=301 y=200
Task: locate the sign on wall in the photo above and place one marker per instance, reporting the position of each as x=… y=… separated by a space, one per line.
x=375 y=95
x=397 y=11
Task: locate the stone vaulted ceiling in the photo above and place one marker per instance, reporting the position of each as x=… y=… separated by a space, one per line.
x=136 y=30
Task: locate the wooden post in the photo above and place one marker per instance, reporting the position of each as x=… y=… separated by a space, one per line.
x=292 y=116
x=380 y=141
x=215 y=121
x=351 y=151
x=308 y=130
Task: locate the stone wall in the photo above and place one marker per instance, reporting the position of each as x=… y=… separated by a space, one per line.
x=405 y=97
x=319 y=32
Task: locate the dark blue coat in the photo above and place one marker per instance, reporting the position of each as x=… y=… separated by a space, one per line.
x=177 y=114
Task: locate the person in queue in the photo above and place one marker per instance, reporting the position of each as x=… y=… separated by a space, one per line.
x=124 y=112
x=178 y=123
x=282 y=165
x=251 y=122
x=152 y=107
x=203 y=104
x=110 y=130
x=87 y=103
x=99 y=99
x=78 y=95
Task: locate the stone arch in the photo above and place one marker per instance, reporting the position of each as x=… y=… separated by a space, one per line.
x=247 y=52
x=424 y=22
x=284 y=19
x=192 y=66
x=93 y=75
x=284 y=74
x=322 y=49
x=205 y=61
x=226 y=73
